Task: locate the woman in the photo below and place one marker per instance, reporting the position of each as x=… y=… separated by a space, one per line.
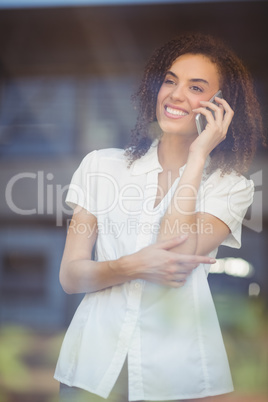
x=147 y=327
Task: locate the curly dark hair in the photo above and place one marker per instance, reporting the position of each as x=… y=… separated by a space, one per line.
x=245 y=131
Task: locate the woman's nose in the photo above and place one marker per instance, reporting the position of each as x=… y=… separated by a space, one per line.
x=178 y=93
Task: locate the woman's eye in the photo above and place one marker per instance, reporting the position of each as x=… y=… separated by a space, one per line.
x=169 y=81
x=197 y=89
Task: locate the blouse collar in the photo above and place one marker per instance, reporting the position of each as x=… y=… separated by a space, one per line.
x=150 y=162
x=147 y=162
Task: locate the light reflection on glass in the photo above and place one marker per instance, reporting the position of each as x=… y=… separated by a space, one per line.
x=254 y=289
x=233 y=266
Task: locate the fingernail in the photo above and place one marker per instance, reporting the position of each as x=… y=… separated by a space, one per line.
x=182 y=236
x=212 y=260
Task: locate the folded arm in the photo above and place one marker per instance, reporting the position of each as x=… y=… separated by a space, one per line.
x=157 y=263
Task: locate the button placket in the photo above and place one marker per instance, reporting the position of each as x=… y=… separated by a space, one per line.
x=136 y=391
x=148 y=214
x=144 y=238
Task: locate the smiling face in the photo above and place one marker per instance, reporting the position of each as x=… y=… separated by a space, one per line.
x=191 y=79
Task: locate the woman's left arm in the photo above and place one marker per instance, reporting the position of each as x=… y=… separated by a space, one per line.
x=181 y=217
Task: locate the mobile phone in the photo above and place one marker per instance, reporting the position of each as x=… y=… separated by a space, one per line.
x=200 y=119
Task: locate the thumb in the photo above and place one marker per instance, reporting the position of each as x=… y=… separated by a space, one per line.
x=173 y=242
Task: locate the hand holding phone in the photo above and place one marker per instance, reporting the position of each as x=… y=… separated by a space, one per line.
x=200 y=119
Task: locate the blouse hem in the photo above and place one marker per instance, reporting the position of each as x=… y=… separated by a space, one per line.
x=147 y=398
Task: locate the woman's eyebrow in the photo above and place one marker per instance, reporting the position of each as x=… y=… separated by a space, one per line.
x=199 y=80
x=171 y=73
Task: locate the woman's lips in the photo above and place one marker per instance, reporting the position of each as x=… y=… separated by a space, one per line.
x=175 y=112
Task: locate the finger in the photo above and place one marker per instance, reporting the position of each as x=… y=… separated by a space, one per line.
x=205 y=112
x=178 y=273
x=219 y=108
x=216 y=108
x=188 y=266
x=175 y=284
x=179 y=268
x=180 y=277
x=209 y=105
x=171 y=243
x=169 y=281
x=229 y=113
x=185 y=258
x=225 y=104
x=218 y=112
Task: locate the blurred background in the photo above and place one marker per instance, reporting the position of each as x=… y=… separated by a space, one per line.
x=67 y=73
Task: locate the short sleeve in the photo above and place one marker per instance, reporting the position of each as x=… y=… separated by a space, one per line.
x=82 y=189
x=227 y=198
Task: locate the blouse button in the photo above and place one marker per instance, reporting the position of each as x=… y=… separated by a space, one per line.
x=137 y=285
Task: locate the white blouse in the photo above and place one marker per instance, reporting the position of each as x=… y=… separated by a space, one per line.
x=171 y=336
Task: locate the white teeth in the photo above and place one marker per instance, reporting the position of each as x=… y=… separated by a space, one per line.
x=176 y=112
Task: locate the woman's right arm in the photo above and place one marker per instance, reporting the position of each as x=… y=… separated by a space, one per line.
x=155 y=263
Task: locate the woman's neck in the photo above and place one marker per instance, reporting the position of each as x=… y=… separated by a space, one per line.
x=173 y=151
